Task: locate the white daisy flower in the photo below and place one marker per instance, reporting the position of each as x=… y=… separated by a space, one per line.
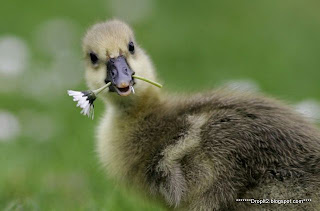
x=86 y=98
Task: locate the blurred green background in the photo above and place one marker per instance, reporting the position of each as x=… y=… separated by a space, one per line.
x=47 y=158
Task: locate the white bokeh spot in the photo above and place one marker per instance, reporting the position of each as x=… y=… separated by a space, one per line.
x=309 y=108
x=14 y=56
x=37 y=126
x=50 y=81
x=9 y=126
x=245 y=85
x=56 y=36
x=132 y=11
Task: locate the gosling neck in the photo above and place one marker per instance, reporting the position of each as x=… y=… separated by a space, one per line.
x=135 y=105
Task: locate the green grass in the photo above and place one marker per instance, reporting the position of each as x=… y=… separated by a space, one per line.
x=194 y=46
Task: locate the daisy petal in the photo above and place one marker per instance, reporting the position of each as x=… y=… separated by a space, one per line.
x=85 y=101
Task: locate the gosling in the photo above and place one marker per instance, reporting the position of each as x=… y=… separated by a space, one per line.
x=201 y=152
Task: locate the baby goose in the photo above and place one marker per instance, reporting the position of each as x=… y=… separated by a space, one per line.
x=200 y=152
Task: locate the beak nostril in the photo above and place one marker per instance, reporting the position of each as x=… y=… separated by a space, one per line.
x=125 y=70
x=113 y=73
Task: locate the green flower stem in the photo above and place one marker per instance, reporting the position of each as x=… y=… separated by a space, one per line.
x=147 y=80
x=97 y=91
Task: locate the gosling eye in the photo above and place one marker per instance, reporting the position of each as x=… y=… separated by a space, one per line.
x=131 y=47
x=93 y=57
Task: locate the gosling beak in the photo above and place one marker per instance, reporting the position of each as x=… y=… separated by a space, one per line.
x=120 y=76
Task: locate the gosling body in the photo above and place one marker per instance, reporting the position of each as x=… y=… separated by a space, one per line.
x=201 y=151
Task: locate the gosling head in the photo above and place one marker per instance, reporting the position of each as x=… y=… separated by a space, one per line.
x=113 y=55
